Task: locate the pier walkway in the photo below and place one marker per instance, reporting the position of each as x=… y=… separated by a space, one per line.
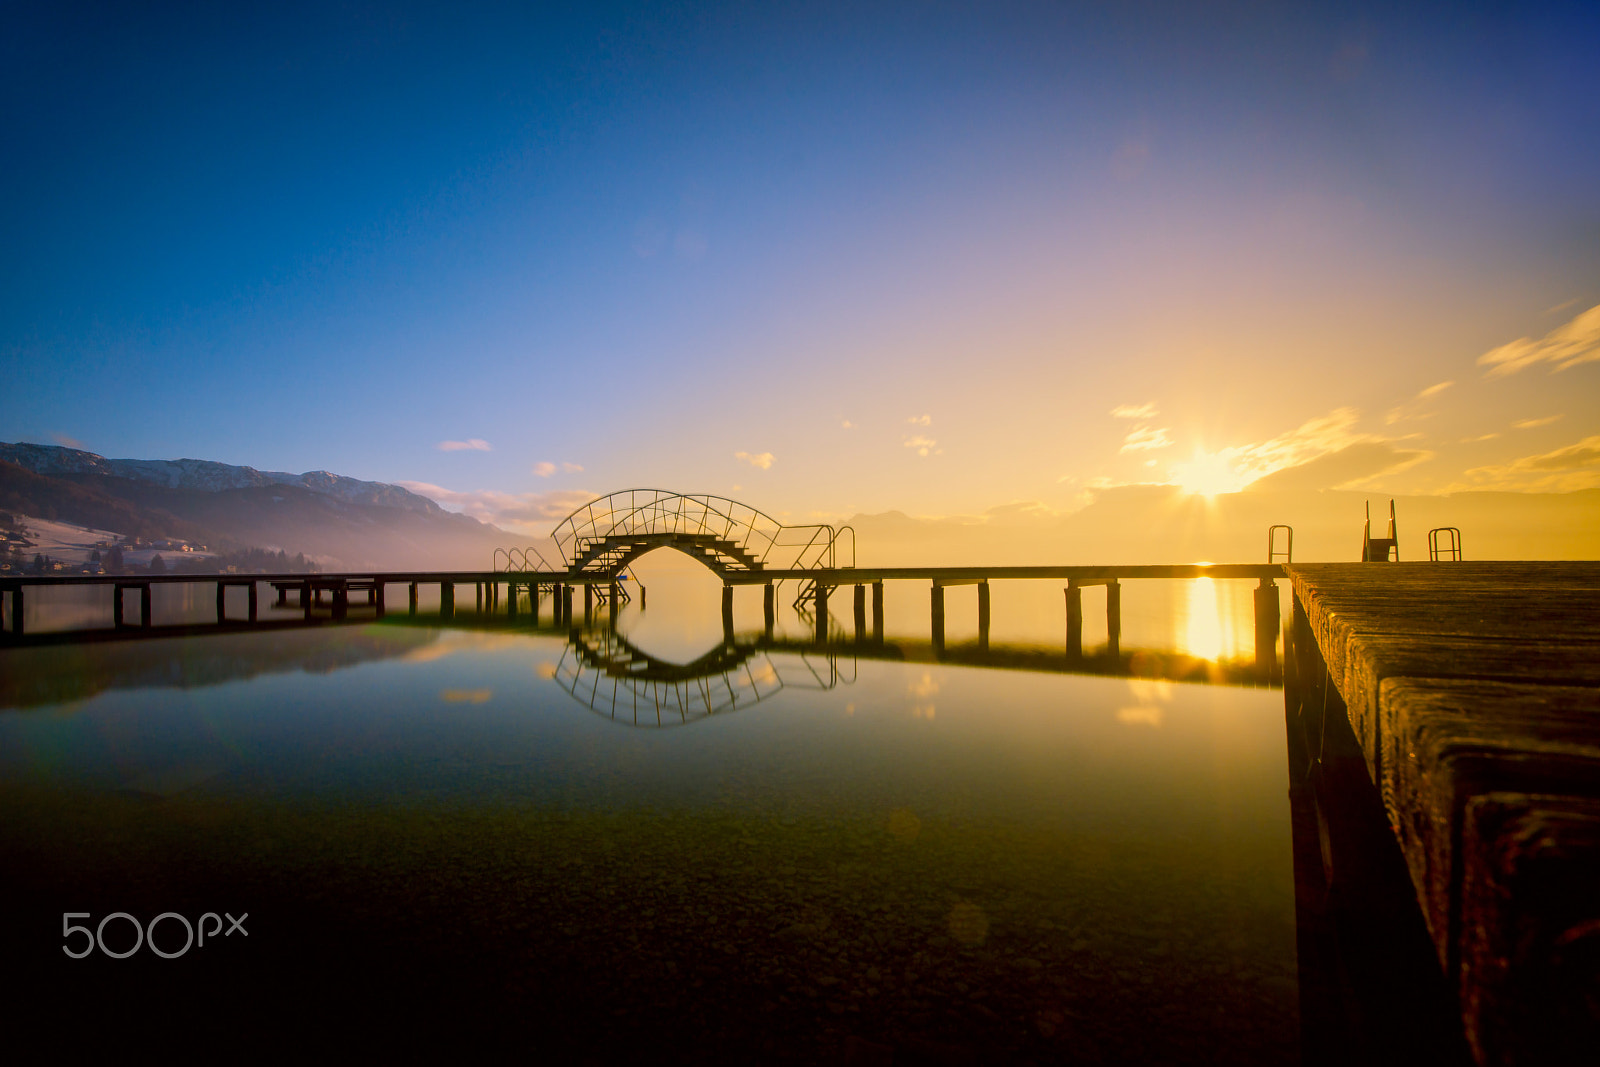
x=1468 y=695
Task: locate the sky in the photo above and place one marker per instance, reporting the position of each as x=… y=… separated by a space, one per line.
x=822 y=258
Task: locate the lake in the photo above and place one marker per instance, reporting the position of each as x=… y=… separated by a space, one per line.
x=458 y=835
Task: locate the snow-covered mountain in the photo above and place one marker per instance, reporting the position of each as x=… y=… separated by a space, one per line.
x=211 y=477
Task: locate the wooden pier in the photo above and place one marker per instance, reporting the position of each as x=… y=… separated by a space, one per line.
x=1464 y=699
x=329 y=596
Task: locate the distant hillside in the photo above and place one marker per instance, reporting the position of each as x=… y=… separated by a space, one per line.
x=343 y=523
x=1161 y=524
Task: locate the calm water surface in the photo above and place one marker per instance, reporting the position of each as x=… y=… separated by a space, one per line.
x=443 y=834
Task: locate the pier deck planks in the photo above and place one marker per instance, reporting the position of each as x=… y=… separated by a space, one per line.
x=1473 y=690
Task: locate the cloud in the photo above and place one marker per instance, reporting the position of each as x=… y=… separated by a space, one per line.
x=1351 y=464
x=846 y=424
x=1572 y=467
x=923 y=445
x=544 y=469
x=763 y=460
x=1533 y=424
x=1480 y=437
x=1322 y=436
x=502 y=509
x=1143 y=438
x=476 y=444
x=1412 y=409
x=1566 y=346
x=1134 y=411
x=572 y=468
x=68 y=442
x=920 y=420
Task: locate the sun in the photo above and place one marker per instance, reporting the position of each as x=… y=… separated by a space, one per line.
x=1207 y=474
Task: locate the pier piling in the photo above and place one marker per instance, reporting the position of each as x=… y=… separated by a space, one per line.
x=727 y=613
x=768 y=608
x=983 y=615
x=1074 y=593
x=822 y=611
x=938 y=619
x=877 y=610
x=861 y=613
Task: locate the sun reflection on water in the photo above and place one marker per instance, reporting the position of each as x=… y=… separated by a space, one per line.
x=1204 y=627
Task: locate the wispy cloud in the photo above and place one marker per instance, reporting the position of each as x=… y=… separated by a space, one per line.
x=846 y=424
x=1534 y=424
x=1143 y=438
x=763 y=460
x=1134 y=411
x=1325 y=452
x=1575 y=466
x=923 y=445
x=920 y=420
x=572 y=468
x=544 y=469
x=1578 y=341
x=505 y=509
x=475 y=444
x=1416 y=407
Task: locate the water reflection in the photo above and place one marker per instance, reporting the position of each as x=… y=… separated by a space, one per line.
x=609 y=674
x=894 y=853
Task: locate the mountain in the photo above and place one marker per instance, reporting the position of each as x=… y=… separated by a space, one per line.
x=1162 y=524
x=342 y=523
x=210 y=477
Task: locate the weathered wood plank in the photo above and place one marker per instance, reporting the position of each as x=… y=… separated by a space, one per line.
x=1450 y=740
x=1473 y=691
x=1530 y=970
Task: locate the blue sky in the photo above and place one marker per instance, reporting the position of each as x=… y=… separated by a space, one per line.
x=688 y=248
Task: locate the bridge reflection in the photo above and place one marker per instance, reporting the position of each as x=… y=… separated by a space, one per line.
x=613 y=677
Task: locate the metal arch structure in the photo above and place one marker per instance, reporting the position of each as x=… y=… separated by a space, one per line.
x=605 y=535
x=612 y=677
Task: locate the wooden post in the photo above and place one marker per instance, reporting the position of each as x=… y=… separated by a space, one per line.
x=479 y=606
x=447 y=600
x=1113 y=618
x=283 y=596
x=376 y=596
x=938 y=619
x=860 y=612
x=413 y=598
x=1074 y=619
x=614 y=601
x=341 y=599
x=769 y=613
x=821 y=595
x=116 y=605
x=307 y=598
x=555 y=603
x=983 y=615
x=566 y=604
x=877 y=610
x=727 y=613
x=588 y=602
x=222 y=590
x=511 y=599
x=144 y=606
x=1267 y=621
x=533 y=603
x=16 y=611
x=252 y=588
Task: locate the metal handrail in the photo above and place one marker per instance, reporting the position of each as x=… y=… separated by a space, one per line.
x=1288 y=552
x=663 y=511
x=1453 y=548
